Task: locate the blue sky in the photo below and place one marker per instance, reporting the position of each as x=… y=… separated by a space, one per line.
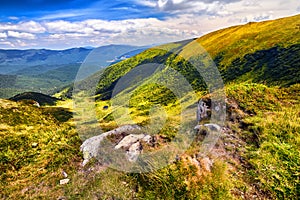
x=75 y=10
x=72 y=23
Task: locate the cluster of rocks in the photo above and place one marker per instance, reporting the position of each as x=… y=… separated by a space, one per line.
x=131 y=141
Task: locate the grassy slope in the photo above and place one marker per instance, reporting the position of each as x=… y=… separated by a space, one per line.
x=236 y=42
x=272 y=134
x=266 y=123
x=36 y=145
x=257 y=51
x=272 y=142
x=249 y=53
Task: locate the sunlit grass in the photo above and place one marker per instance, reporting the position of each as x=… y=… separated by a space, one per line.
x=238 y=41
x=35 y=149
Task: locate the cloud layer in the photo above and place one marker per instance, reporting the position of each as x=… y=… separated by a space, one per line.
x=174 y=20
x=192 y=5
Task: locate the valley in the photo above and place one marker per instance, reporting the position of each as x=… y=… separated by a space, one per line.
x=256 y=154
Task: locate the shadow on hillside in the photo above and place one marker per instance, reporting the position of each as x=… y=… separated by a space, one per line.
x=60 y=114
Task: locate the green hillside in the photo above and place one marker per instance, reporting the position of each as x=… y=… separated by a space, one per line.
x=266 y=52
x=48 y=71
x=242 y=53
x=255 y=60
x=256 y=157
x=259 y=155
x=37 y=144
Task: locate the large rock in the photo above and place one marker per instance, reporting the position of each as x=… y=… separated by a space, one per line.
x=134 y=151
x=130 y=142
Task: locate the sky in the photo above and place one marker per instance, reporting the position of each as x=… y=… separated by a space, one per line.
x=62 y=24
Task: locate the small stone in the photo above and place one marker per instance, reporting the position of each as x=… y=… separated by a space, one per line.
x=64 y=174
x=64 y=181
x=34 y=145
x=147 y=139
x=206 y=163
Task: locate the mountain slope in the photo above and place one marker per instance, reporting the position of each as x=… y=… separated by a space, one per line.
x=252 y=52
x=256 y=157
x=36 y=145
x=261 y=71
x=235 y=42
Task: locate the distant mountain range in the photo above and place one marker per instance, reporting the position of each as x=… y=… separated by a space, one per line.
x=16 y=61
x=266 y=52
x=43 y=70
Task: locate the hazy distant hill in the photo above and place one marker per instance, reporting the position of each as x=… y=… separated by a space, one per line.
x=46 y=71
x=14 y=61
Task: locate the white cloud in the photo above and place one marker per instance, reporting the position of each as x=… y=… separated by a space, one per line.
x=63 y=26
x=13 y=18
x=133 y=31
x=264 y=10
x=190 y=6
x=6 y=43
x=32 y=27
x=21 y=43
x=251 y=3
x=21 y=35
x=60 y=16
x=3 y=35
x=149 y=3
x=29 y=26
x=188 y=19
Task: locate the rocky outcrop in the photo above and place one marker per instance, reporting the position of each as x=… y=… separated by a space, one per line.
x=131 y=142
x=131 y=139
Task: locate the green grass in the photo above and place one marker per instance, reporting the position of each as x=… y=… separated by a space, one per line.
x=271 y=131
x=236 y=42
x=242 y=53
x=276 y=162
x=273 y=136
x=35 y=148
x=183 y=181
x=38 y=143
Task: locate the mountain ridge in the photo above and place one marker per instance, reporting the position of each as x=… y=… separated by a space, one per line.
x=236 y=52
x=47 y=71
x=255 y=157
